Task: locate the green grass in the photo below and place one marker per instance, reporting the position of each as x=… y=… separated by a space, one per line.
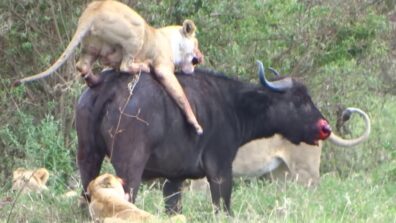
x=358 y=198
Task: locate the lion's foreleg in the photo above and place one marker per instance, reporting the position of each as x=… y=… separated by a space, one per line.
x=173 y=87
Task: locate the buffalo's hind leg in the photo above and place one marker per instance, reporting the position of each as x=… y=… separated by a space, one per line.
x=172 y=196
x=89 y=160
x=89 y=156
x=129 y=165
x=89 y=166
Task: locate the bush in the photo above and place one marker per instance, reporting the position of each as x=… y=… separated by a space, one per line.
x=39 y=145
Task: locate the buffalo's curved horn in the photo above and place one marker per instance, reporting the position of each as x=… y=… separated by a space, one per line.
x=337 y=140
x=275 y=72
x=278 y=86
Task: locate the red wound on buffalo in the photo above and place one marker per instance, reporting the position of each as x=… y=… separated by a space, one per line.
x=324 y=129
x=122 y=181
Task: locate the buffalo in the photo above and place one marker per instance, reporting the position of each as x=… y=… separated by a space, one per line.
x=140 y=128
x=278 y=159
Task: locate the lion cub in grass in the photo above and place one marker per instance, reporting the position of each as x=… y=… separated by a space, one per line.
x=109 y=203
x=25 y=180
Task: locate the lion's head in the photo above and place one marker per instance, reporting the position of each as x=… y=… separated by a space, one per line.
x=107 y=184
x=30 y=180
x=189 y=53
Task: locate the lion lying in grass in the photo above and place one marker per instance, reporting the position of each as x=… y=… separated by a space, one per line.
x=109 y=203
x=25 y=180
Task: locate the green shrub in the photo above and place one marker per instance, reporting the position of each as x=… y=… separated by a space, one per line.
x=40 y=145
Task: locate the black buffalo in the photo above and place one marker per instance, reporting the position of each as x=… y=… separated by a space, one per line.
x=146 y=135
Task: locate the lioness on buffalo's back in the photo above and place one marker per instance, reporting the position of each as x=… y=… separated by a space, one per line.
x=121 y=38
x=155 y=141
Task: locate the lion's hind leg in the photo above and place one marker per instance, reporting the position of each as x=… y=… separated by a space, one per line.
x=137 y=67
x=130 y=50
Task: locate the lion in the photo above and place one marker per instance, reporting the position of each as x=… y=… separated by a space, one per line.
x=108 y=200
x=25 y=180
x=109 y=203
x=120 y=38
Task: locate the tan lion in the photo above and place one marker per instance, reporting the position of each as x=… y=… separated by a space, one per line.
x=108 y=199
x=25 y=180
x=118 y=36
x=109 y=203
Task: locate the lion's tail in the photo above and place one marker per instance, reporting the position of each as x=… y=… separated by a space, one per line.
x=80 y=33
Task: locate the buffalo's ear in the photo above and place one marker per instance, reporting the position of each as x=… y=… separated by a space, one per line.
x=189 y=28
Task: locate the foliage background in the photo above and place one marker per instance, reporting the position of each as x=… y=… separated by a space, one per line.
x=345 y=51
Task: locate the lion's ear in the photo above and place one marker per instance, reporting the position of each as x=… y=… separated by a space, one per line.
x=42 y=174
x=189 y=27
x=107 y=181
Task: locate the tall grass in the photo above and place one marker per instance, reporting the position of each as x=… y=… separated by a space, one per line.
x=360 y=198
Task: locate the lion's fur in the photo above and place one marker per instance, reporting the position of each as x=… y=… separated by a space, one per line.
x=120 y=38
x=25 y=180
x=110 y=204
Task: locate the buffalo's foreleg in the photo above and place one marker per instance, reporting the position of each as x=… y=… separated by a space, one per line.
x=218 y=169
x=172 y=196
x=220 y=189
x=89 y=157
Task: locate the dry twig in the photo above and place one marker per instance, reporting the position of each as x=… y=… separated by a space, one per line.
x=131 y=87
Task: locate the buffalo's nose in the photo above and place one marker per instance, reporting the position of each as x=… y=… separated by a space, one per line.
x=324 y=129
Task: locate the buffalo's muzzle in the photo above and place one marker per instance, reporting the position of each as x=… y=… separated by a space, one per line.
x=324 y=129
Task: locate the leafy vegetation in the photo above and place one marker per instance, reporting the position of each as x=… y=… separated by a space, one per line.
x=343 y=50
